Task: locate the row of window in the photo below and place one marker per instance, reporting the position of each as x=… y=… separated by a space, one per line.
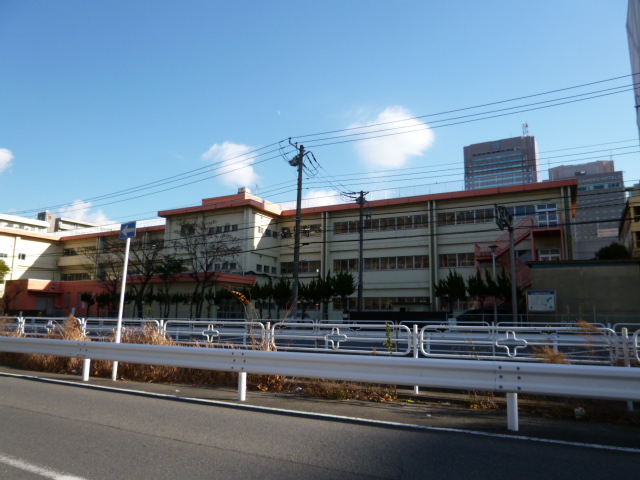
x=379 y=303
x=223 y=229
x=190 y=229
x=600 y=186
x=486 y=215
x=20 y=226
x=382 y=263
x=382 y=224
x=21 y=256
x=312 y=266
x=265 y=269
x=70 y=277
x=225 y=266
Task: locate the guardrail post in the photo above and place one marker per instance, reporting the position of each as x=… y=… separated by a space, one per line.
x=416 y=341
x=268 y=338
x=21 y=325
x=627 y=358
x=242 y=386
x=512 y=412
x=86 y=369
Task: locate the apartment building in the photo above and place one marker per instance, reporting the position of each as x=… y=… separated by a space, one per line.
x=410 y=243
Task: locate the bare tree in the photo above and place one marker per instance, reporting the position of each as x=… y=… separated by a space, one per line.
x=145 y=261
x=105 y=266
x=168 y=272
x=206 y=252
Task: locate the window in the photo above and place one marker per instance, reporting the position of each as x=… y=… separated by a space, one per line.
x=372 y=225
x=340 y=227
x=274 y=270
x=22 y=256
x=260 y=230
x=372 y=264
x=69 y=252
x=388 y=263
x=421 y=261
x=3 y=255
x=187 y=229
x=258 y=268
x=341 y=265
x=268 y=233
x=227 y=228
x=549 y=254
x=234 y=228
x=451 y=260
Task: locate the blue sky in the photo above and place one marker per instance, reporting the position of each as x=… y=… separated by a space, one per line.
x=97 y=98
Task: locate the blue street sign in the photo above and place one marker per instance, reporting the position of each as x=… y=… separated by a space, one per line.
x=127 y=230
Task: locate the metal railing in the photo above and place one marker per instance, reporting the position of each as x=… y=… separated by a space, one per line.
x=551 y=343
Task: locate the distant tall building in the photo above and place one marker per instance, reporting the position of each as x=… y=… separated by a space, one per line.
x=601 y=200
x=633 y=36
x=510 y=161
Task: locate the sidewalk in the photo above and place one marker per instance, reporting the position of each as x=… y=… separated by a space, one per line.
x=429 y=409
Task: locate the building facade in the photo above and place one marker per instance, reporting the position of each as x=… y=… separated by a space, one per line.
x=510 y=161
x=410 y=244
x=601 y=199
x=630 y=223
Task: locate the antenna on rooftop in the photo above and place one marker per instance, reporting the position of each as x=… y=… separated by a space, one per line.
x=525 y=129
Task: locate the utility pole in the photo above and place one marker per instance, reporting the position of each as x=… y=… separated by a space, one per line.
x=361 y=252
x=297 y=161
x=360 y=200
x=505 y=220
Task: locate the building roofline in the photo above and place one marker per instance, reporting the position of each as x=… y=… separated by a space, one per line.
x=526 y=187
x=110 y=233
x=26 y=233
x=248 y=200
x=227 y=201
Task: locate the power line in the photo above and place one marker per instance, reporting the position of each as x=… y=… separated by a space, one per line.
x=185 y=175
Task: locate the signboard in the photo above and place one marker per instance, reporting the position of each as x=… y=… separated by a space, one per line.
x=541 y=301
x=607 y=232
x=127 y=230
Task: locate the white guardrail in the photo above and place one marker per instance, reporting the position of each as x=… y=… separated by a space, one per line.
x=565 y=342
x=591 y=381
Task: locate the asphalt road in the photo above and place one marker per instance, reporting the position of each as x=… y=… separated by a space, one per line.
x=59 y=431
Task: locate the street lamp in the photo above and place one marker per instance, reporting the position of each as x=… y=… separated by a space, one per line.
x=493 y=249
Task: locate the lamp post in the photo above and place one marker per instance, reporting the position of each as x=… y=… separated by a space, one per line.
x=493 y=249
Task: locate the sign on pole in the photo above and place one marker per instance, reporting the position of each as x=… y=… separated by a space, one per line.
x=127 y=230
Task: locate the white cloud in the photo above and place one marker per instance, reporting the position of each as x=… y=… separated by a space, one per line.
x=6 y=158
x=79 y=210
x=319 y=198
x=235 y=163
x=394 y=151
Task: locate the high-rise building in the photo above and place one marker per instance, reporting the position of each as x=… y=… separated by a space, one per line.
x=633 y=36
x=510 y=161
x=601 y=200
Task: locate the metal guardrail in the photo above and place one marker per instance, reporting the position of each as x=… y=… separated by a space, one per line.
x=610 y=383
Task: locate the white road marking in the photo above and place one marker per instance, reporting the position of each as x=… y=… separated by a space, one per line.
x=42 y=471
x=362 y=421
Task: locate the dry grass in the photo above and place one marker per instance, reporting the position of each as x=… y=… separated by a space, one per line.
x=337 y=390
x=549 y=355
x=149 y=335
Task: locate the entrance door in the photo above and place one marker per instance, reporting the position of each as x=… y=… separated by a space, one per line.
x=45 y=305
